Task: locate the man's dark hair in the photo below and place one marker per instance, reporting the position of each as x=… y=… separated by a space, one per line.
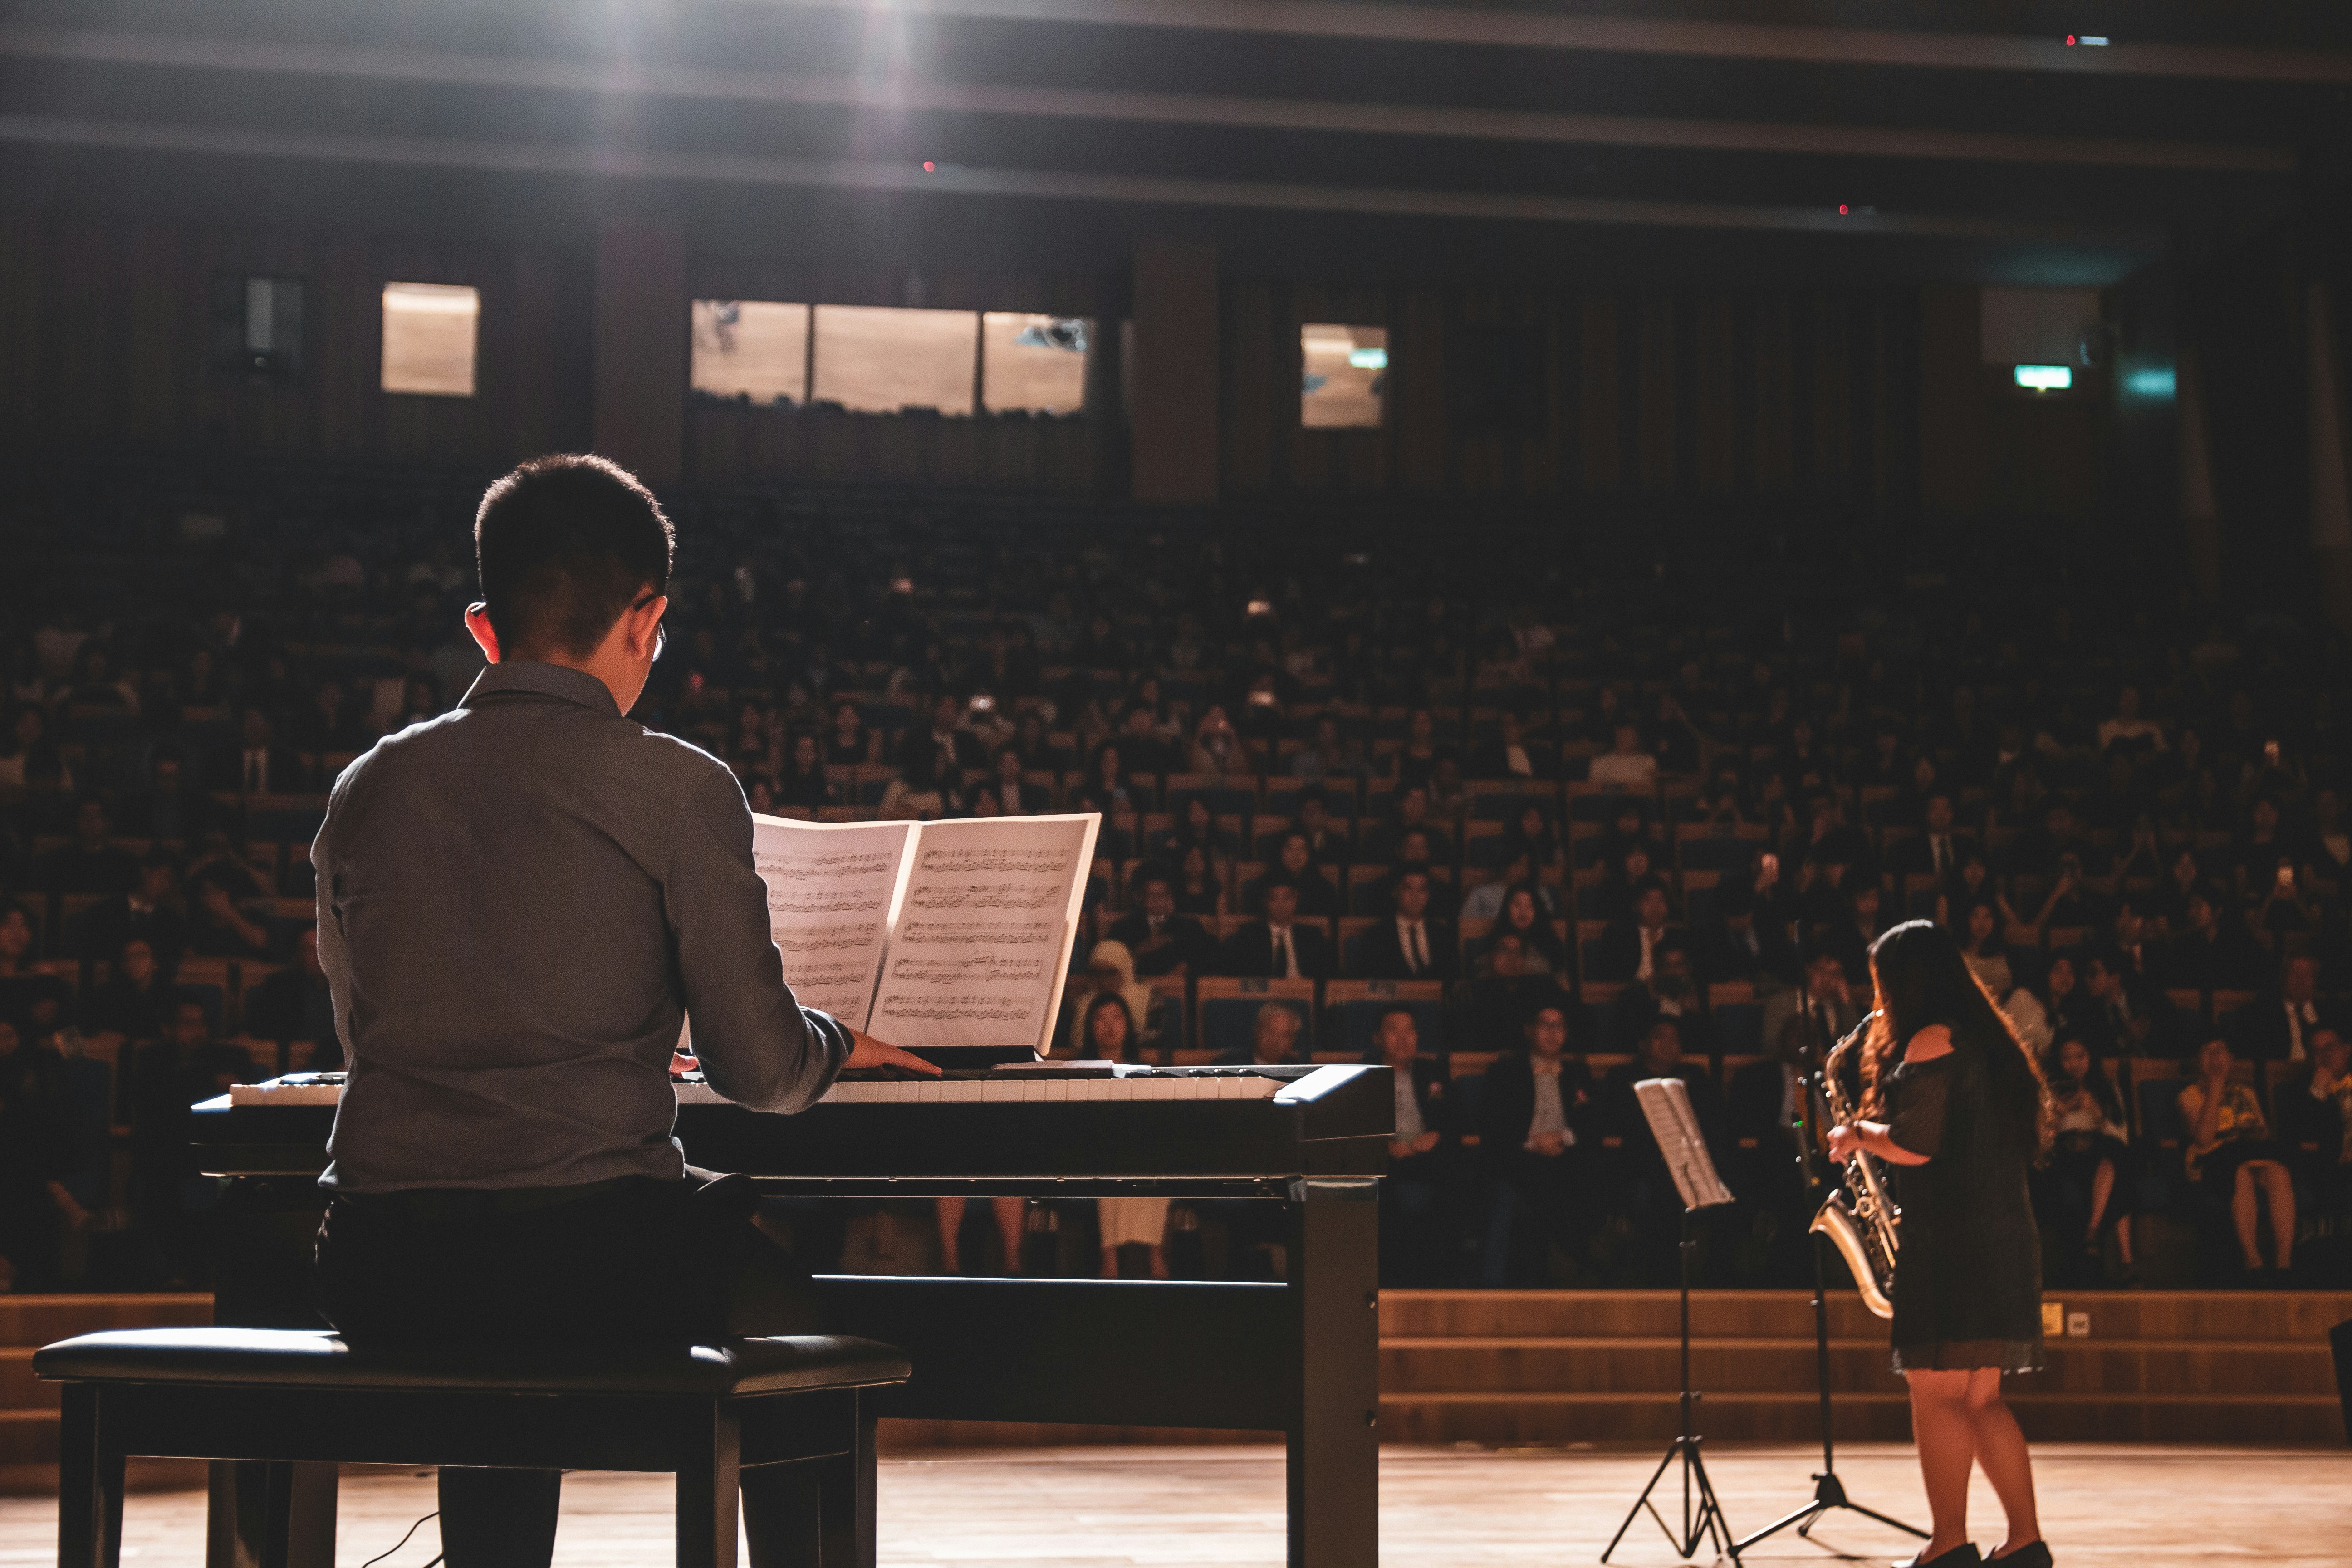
x=564 y=544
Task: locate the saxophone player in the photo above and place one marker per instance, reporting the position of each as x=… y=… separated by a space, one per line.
x=1955 y=1106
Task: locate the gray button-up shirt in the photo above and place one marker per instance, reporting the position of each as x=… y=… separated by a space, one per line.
x=517 y=902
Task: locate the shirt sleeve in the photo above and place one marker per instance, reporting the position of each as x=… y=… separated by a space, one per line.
x=757 y=1046
x=1918 y=1125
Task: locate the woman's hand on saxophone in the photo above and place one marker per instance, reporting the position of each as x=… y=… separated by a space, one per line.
x=1845 y=1142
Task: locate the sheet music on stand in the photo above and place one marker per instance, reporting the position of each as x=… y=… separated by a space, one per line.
x=1665 y=1101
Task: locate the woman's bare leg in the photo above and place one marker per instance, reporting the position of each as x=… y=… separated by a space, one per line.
x=2243 y=1214
x=1945 y=1430
x=950 y=1212
x=2102 y=1189
x=2001 y=1450
x=2123 y=1239
x=1012 y=1221
x=2279 y=1187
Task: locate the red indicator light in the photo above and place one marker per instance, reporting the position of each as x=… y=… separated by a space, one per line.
x=928 y=167
x=1840 y=209
x=2070 y=40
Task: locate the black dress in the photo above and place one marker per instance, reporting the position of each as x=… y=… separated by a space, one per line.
x=1967 y=1273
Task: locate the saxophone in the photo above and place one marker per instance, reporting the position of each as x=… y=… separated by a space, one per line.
x=1861 y=1221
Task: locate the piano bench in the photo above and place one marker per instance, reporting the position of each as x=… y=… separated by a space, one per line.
x=284 y=1407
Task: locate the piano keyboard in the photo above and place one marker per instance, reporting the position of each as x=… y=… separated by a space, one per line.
x=1018 y=1087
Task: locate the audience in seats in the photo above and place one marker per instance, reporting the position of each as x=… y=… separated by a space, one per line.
x=1637 y=793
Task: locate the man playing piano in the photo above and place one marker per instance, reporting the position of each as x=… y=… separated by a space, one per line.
x=518 y=902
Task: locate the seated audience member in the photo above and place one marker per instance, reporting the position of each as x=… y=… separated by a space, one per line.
x=1850 y=936
x=1982 y=949
x=2233 y=1155
x=1803 y=1024
x=1935 y=850
x=1506 y=993
x=1162 y=940
x=257 y=762
x=1767 y=1112
x=171 y=809
x=1273 y=1039
x=1484 y=901
x=1326 y=836
x=1537 y=1130
x=1415 y=763
x=1274 y=946
x=2130 y=1016
x=1106 y=1032
x=1195 y=828
x=919 y=790
x=1412 y=815
x=1216 y=749
x=1410 y=945
x=1328 y=756
x=33 y=994
x=1625 y=766
x=2276 y=1026
x=1531 y=833
x=92 y=862
x=2314 y=1117
x=1625 y=873
x=1628 y=949
x=848 y=743
x=2211 y=953
x=294 y=1005
x=2090 y=1148
x=37 y=1206
x=1659 y=1052
x=1732 y=944
x=1507 y=755
x=149 y=910
x=1418 y=1195
x=1294 y=863
x=1670 y=992
x=801 y=782
x=1199 y=890
x=133 y=1003
x=218 y=928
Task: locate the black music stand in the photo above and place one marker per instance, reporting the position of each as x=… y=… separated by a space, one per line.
x=1829 y=1491
x=1665 y=1101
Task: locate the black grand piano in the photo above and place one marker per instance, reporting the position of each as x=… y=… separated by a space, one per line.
x=1298 y=1356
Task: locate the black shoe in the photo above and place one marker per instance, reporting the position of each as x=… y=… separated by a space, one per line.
x=2033 y=1554
x=1964 y=1555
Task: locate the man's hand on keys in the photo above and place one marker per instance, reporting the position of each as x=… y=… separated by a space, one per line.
x=865 y=1052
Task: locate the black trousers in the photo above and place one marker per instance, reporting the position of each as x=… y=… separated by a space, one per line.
x=633 y=1261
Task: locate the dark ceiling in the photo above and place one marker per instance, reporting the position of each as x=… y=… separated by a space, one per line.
x=1345 y=139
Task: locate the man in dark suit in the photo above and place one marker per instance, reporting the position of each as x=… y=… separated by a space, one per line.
x=1421 y=1198
x=1769 y=1117
x=1506 y=754
x=1162 y=940
x=952 y=748
x=1936 y=850
x=1629 y=948
x=257 y=763
x=2215 y=953
x=1411 y=816
x=148 y=911
x=1538 y=1135
x=1277 y=947
x=1731 y=943
x=170 y=808
x=1410 y=945
x=1803 y=1024
x=2278 y=1024
x=1669 y=993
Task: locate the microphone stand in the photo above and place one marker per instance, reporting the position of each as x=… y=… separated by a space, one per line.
x=1829 y=1491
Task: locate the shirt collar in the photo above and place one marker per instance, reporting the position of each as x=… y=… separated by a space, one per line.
x=543 y=681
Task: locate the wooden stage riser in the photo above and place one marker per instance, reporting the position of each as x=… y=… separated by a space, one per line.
x=1881 y=1417
x=1787 y=1314
x=2250 y=1369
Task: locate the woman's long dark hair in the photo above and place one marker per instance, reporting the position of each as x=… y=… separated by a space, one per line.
x=1921 y=980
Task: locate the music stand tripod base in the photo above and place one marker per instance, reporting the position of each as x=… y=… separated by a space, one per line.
x=1666 y=1102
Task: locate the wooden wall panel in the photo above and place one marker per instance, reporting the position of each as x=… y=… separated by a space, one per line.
x=1713 y=366
x=1654 y=411
x=1599 y=443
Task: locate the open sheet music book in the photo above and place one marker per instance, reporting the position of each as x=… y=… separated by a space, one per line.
x=948 y=938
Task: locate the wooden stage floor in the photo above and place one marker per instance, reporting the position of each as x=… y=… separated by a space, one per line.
x=2103 y=1506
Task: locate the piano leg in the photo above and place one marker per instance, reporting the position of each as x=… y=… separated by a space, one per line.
x=1334 y=1435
